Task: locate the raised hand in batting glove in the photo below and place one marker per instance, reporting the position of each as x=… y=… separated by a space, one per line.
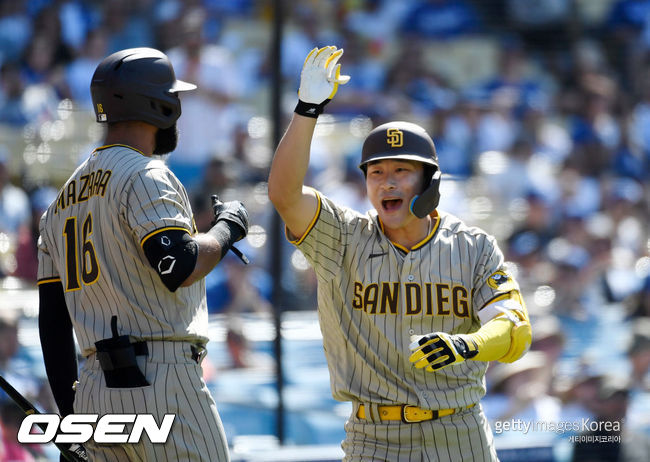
x=438 y=349
x=233 y=212
x=319 y=80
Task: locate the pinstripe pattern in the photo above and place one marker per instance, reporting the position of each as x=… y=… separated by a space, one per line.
x=177 y=387
x=116 y=199
x=373 y=296
x=142 y=196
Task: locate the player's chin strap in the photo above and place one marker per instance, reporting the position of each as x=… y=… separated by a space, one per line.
x=425 y=203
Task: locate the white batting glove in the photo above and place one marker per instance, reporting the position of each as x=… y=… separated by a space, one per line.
x=319 y=80
x=439 y=349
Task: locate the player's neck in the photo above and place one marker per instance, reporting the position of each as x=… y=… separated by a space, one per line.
x=411 y=233
x=138 y=135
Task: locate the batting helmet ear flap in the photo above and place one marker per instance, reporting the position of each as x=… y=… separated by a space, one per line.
x=423 y=204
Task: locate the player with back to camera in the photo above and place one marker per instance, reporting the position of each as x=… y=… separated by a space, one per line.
x=121 y=262
x=412 y=302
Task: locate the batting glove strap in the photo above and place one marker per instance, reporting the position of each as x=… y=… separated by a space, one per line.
x=438 y=350
x=310 y=109
x=465 y=345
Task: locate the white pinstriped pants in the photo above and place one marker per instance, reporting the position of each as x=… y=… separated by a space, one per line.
x=465 y=436
x=176 y=388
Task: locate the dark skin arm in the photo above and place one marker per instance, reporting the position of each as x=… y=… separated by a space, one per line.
x=57 y=344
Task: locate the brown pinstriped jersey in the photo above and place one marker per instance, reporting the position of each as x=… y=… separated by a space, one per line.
x=373 y=296
x=91 y=240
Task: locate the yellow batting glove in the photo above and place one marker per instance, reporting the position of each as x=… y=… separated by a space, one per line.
x=319 y=80
x=439 y=349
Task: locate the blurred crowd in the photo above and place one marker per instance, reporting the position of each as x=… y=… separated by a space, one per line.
x=540 y=112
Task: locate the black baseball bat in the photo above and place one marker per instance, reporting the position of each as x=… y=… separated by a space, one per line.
x=29 y=409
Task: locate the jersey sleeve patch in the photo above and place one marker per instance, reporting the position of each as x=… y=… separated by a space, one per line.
x=501 y=281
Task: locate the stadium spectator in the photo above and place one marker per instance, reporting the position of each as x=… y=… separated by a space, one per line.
x=79 y=71
x=27 y=239
x=11 y=416
x=520 y=392
x=571 y=125
x=128 y=22
x=17 y=365
x=638 y=354
x=15 y=30
x=441 y=19
x=578 y=393
x=213 y=113
x=639 y=302
x=14 y=202
x=610 y=437
x=13 y=111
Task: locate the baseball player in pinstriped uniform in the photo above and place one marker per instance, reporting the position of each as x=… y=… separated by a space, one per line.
x=413 y=303
x=121 y=262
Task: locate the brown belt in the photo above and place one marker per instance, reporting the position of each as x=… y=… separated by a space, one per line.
x=410 y=414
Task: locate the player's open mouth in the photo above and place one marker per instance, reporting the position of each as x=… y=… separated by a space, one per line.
x=390 y=205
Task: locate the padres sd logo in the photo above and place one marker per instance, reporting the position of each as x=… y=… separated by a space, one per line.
x=501 y=281
x=395 y=137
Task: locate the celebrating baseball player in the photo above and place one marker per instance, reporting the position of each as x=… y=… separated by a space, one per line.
x=121 y=263
x=413 y=303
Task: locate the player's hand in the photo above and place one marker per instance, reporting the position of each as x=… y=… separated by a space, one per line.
x=319 y=80
x=233 y=212
x=439 y=349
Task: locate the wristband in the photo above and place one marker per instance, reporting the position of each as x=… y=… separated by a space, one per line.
x=310 y=109
x=226 y=233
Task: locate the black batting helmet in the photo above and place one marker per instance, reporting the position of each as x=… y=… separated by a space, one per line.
x=408 y=141
x=137 y=84
x=398 y=140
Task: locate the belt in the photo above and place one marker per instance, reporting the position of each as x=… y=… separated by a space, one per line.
x=120 y=357
x=141 y=349
x=410 y=414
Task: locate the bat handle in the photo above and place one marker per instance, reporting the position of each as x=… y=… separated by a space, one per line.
x=216 y=203
x=240 y=254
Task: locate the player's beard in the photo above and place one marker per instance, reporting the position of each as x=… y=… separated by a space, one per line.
x=166 y=140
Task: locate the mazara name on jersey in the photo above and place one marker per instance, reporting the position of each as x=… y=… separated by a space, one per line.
x=87 y=186
x=431 y=299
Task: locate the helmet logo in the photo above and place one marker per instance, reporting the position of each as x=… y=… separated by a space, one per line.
x=100 y=113
x=395 y=137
